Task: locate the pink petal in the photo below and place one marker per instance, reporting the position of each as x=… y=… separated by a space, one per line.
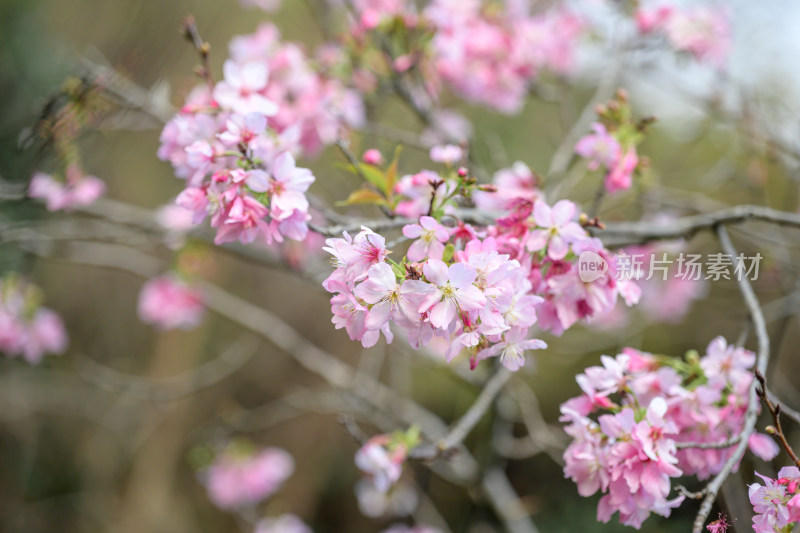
x=563 y=212
x=442 y=313
x=436 y=272
x=412 y=231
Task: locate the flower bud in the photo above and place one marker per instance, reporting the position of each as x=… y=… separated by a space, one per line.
x=373 y=157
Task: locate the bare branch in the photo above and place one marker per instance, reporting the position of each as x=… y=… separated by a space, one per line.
x=623 y=233
x=710 y=445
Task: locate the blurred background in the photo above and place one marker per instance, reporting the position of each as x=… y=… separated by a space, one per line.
x=100 y=440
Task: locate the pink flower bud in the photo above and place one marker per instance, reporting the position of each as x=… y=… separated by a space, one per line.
x=373 y=157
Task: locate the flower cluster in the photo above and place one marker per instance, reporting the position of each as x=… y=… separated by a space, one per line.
x=635 y=412
x=78 y=190
x=473 y=297
x=27 y=328
x=382 y=458
x=702 y=31
x=491 y=56
x=168 y=302
x=776 y=504
x=234 y=144
x=240 y=478
x=479 y=290
x=612 y=145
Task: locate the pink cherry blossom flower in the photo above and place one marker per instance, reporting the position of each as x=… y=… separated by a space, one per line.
x=703 y=31
x=430 y=237
x=194 y=200
x=242 y=220
x=169 y=303
x=242 y=88
x=720 y=525
x=601 y=148
x=234 y=481
x=650 y=19
x=384 y=466
x=763 y=446
x=26 y=328
x=557 y=231
x=390 y=298
x=373 y=157
x=356 y=255
x=447 y=154
x=79 y=190
x=512 y=349
x=243 y=129
x=175 y=218
x=794 y=508
x=620 y=175
x=454 y=291
x=46 y=334
x=513 y=184
x=768 y=504
x=286 y=185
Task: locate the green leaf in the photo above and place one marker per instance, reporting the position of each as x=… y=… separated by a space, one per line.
x=364 y=196
x=398 y=271
x=391 y=172
x=373 y=175
x=449 y=250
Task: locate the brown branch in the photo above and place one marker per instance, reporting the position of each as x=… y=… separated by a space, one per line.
x=775 y=411
x=192 y=34
x=624 y=233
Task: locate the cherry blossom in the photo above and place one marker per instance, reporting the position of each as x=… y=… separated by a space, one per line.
x=79 y=190
x=168 y=303
x=28 y=329
x=238 y=479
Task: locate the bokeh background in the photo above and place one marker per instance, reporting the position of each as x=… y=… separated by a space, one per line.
x=87 y=441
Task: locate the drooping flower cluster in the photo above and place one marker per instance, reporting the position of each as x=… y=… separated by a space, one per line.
x=240 y=478
x=702 y=31
x=78 y=190
x=492 y=54
x=168 y=302
x=638 y=408
x=776 y=504
x=26 y=328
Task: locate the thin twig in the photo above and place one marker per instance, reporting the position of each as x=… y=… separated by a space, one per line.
x=710 y=445
x=775 y=411
x=192 y=34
